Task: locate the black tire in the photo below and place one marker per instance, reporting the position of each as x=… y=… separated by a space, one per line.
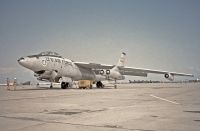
x=64 y=85
x=51 y=86
x=90 y=86
x=99 y=84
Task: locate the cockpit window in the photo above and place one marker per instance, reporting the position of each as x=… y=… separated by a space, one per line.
x=49 y=53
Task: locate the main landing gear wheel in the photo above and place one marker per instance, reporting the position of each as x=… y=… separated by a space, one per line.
x=99 y=84
x=64 y=85
x=115 y=85
x=51 y=86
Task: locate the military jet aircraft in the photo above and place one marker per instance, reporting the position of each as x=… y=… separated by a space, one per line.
x=50 y=66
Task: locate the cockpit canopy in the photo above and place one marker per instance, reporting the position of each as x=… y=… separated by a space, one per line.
x=47 y=53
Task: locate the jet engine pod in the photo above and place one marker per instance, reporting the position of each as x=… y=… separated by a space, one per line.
x=54 y=76
x=51 y=76
x=169 y=76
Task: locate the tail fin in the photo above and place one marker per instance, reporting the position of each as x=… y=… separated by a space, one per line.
x=122 y=59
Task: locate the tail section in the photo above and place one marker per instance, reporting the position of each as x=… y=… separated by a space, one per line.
x=122 y=59
x=115 y=72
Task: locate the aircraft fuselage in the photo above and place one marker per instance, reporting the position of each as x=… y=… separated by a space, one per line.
x=63 y=67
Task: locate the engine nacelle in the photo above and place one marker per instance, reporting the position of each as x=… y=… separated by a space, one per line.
x=51 y=76
x=169 y=76
x=111 y=74
x=116 y=75
x=100 y=78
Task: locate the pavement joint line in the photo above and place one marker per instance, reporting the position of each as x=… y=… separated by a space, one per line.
x=164 y=99
x=74 y=124
x=23 y=128
x=39 y=97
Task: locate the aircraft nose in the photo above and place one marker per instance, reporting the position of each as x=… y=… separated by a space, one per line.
x=20 y=59
x=25 y=61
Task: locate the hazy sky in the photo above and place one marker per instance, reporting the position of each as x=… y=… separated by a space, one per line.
x=155 y=34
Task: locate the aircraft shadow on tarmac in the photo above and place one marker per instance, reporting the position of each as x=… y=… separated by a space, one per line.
x=38 y=88
x=56 y=88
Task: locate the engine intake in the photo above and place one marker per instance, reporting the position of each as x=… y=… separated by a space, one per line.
x=101 y=72
x=169 y=76
x=104 y=72
x=40 y=72
x=107 y=72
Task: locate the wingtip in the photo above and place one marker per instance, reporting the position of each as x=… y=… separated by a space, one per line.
x=191 y=75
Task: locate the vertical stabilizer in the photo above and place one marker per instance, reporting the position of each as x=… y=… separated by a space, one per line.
x=122 y=59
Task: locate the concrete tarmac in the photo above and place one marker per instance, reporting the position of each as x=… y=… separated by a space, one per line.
x=137 y=107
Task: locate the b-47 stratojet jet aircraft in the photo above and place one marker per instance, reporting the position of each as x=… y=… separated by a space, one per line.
x=50 y=66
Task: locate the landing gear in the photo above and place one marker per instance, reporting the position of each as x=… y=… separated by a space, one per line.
x=99 y=84
x=51 y=86
x=64 y=85
x=115 y=85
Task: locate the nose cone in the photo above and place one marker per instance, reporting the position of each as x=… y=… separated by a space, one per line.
x=20 y=59
x=25 y=61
